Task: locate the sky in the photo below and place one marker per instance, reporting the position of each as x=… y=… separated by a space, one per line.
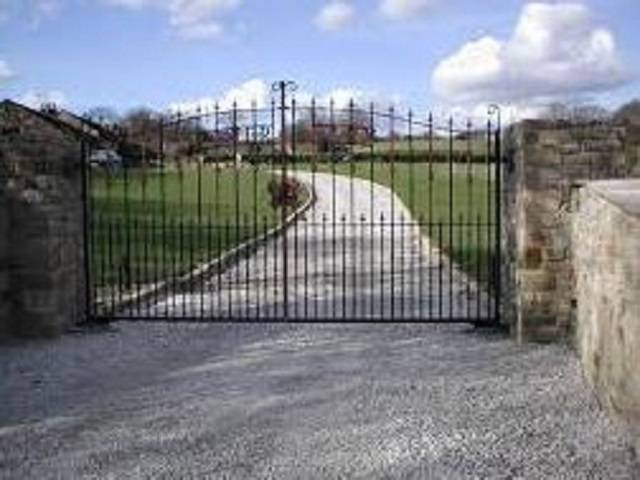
x=457 y=55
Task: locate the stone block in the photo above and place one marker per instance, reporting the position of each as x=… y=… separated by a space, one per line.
x=539 y=280
x=4 y=281
x=531 y=137
x=4 y=248
x=42 y=301
x=537 y=304
x=22 y=279
x=545 y=331
x=34 y=324
x=532 y=258
x=538 y=177
x=559 y=248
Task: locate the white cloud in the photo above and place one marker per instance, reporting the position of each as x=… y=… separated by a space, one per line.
x=343 y=96
x=193 y=19
x=33 y=10
x=36 y=99
x=555 y=49
x=253 y=92
x=335 y=16
x=258 y=92
x=512 y=112
x=5 y=71
x=201 y=31
x=401 y=9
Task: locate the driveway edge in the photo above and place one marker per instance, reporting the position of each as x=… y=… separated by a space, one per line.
x=215 y=266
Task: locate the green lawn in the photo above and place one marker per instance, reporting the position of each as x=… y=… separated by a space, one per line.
x=149 y=225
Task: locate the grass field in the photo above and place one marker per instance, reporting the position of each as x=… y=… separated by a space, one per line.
x=138 y=237
x=149 y=225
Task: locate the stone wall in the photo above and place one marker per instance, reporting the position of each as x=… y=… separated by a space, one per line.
x=606 y=245
x=41 y=224
x=546 y=163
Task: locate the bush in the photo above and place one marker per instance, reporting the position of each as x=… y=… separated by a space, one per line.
x=285 y=192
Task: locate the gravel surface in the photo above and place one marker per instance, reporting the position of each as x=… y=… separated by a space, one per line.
x=345 y=261
x=300 y=401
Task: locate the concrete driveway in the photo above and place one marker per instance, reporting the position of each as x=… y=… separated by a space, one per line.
x=356 y=254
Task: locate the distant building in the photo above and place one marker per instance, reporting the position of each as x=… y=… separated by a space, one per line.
x=97 y=132
x=37 y=143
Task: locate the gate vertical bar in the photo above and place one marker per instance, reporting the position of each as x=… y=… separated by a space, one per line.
x=283 y=159
x=88 y=231
x=163 y=201
x=282 y=87
x=498 y=213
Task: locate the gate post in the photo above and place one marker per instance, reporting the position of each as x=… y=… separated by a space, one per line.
x=549 y=159
x=498 y=159
x=86 y=229
x=44 y=237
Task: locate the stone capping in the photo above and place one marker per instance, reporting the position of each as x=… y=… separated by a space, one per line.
x=624 y=194
x=221 y=263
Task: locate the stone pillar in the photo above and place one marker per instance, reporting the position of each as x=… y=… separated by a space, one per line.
x=548 y=161
x=41 y=224
x=45 y=273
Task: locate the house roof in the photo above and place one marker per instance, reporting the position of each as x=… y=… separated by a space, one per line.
x=94 y=129
x=65 y=126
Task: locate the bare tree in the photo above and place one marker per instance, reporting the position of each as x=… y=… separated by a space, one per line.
x=629 y=113
x=577 y=112
x=102 y=115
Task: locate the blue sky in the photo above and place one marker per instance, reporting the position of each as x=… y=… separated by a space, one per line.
x=423 y=53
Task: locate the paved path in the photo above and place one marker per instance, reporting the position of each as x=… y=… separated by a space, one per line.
x=344 y=261
x=300 y=401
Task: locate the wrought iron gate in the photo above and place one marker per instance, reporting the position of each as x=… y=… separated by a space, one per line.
x=283 y=212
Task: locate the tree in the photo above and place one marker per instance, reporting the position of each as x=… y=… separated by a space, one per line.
x=629 y=113
x=102 y=115
x=577 y=112
x=140 y=136
x=141 y=122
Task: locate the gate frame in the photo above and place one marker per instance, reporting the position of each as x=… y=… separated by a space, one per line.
x=281 y=88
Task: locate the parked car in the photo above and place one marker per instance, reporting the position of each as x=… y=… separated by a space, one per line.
x=106 y=159
x=156 y=163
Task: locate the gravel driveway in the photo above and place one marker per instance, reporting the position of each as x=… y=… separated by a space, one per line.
x=300 y=401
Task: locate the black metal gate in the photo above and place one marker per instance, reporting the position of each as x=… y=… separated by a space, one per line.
x=284 y=212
